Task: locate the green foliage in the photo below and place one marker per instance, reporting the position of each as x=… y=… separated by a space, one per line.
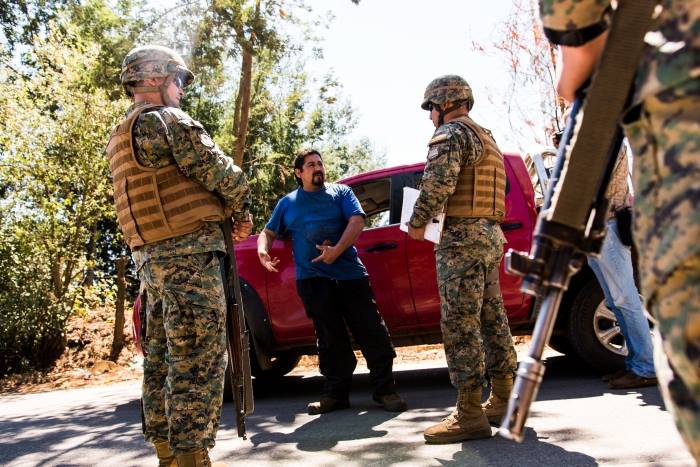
x=60 y=97
x=22 y=20
x=288 y=114
x=113 y=28
x=30 y=322
x=288 y=110
x=53 y=127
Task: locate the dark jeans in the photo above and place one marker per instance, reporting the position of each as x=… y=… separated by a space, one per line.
x=332 y=305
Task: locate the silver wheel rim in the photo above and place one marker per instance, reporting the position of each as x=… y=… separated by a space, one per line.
x=607 y=330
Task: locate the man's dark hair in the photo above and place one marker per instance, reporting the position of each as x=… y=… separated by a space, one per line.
x=301 y=157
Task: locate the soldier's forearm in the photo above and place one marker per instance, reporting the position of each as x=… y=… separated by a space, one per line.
x=578 y=64
x=431 y=200
x=235 y=191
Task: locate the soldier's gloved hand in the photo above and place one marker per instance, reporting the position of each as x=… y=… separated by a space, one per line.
x=242 y=229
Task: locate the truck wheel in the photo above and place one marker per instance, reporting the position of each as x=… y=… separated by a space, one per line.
x=593 y=331
x=561 y=344
x=282 y=363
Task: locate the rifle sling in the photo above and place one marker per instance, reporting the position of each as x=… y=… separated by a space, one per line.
x=604 y=104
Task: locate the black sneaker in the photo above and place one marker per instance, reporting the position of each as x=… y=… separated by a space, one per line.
x=391 y=402
x=327 y=404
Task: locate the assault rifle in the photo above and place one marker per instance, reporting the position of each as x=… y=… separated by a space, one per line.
x=237 y=338
x=571 y=223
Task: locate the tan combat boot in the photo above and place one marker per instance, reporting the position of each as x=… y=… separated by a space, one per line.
x=497 y=403
x=196 y=458
x=165 y=455
x=468 y=421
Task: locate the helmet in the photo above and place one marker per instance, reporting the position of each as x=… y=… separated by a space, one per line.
x=152 y=61
x=448 y=88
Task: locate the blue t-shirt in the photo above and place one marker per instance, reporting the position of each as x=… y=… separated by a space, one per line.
x=312 y=217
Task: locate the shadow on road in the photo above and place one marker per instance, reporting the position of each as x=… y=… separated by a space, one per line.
x=281 y=431
x=326 y=431
x=501 y=452
x=97 y=426
x=428 y=392
x=561 y=371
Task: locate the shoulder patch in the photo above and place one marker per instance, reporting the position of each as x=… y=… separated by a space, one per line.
x=439 y=139
x=434 y=153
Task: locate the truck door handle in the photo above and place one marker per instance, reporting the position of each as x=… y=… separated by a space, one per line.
x=382 y=247
x=511 y=226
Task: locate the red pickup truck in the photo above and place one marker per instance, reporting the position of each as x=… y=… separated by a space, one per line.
x=402 y=272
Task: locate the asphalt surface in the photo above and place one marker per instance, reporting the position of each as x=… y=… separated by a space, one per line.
x=576 y=421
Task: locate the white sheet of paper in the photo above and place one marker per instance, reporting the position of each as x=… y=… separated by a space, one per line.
x=433 y=230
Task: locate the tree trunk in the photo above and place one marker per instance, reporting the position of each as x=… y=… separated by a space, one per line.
x=90 y=255
x=244 y=95
x=56 y=280
x=118 y=342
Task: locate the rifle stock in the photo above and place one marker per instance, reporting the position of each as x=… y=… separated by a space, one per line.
x=237 y=341
x=571 y=223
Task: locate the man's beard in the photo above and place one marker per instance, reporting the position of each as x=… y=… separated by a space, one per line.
x=318 y=179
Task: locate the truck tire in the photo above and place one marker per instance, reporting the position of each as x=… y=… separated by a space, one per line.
x=282 y=363
x=594 y=335
x=561 y=344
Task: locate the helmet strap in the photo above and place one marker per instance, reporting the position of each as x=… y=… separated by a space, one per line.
x=143 y=89
x=442 y=112
x=163 y=89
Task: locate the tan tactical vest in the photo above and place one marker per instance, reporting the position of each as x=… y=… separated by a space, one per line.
x=481 y=187
x=154 y=204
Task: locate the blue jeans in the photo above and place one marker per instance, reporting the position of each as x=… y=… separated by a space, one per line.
x=613 y=268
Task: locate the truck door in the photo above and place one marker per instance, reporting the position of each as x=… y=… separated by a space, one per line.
x=382 y=249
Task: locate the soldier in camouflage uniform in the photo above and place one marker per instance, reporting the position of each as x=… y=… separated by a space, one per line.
x=173 y=187
x=664 y=131
x=461 y=155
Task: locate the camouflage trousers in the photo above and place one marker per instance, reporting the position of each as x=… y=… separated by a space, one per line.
x=472 y=317
x=666 y=144
x=183 y=371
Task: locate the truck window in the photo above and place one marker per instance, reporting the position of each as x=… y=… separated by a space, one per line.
x=374 y=198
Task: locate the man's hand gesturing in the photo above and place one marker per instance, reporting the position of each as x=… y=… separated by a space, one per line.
x=268 y=263
x=329 y=253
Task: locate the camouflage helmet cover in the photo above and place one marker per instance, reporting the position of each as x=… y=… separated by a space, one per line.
x=448 y=88
x=153 y=61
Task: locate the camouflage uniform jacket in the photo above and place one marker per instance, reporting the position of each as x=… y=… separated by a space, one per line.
x=168 y=135
x=671 y=58
x=454 y=146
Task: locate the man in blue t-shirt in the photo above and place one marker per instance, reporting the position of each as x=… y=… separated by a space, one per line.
x=324 y=220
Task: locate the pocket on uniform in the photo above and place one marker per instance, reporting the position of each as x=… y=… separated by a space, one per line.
x=192 y=327
x=451 y=264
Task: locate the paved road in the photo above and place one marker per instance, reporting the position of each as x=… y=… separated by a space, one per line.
x=577 y=421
